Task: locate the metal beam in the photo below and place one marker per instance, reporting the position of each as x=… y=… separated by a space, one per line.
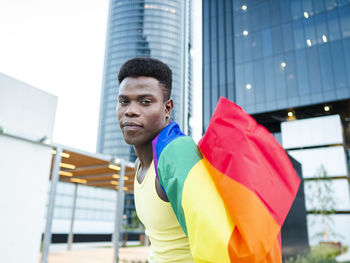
x=119 y=213
x=88 y=168
x=340 y=177
x=97 y=166
x=328 y=212
x=314 y=147
x=70 y=237
x=99 y=175
x=51 y=205
x=100 y=156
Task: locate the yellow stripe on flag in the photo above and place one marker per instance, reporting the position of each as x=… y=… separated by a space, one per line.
x=209 y=225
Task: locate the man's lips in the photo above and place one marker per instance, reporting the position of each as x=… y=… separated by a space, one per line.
x=131 y=126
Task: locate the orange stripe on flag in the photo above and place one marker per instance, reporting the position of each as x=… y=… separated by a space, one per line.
x=254 y=239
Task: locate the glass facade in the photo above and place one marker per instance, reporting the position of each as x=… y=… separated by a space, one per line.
x=94 y=213
x=268 y=55
x=160 y=29
x=93 y=204
x=274 y=57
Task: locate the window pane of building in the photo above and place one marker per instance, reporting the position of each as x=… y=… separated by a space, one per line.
x=326 y=67
x=344 y=14
x=333 y=25
x=339 y=65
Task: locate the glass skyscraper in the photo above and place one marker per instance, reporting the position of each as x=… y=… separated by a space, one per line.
x=284 y=60
x=275 y=54
x=160 y=29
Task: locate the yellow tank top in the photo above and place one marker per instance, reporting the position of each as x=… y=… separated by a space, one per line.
x=168 y=241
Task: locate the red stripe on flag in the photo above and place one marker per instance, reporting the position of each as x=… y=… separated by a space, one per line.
x=246 y=152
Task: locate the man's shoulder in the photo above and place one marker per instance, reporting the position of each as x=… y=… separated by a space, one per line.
x=171 y=137
x=183 y=146
x=184 y=141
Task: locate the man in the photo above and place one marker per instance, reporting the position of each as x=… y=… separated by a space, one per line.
x=144 y=108
x=228 y=196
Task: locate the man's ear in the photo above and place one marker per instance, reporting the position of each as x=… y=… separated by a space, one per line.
x=169 y=105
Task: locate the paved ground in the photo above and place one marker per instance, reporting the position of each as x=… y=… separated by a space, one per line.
x=81 y=254
x=102 y=253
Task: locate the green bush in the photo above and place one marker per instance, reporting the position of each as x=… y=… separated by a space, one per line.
x=325 y=251
x=317 y=254
x=309 y=258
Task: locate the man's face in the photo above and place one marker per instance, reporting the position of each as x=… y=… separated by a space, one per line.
x=142 y=112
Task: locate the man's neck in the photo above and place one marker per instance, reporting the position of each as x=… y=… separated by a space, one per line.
x=145 y=154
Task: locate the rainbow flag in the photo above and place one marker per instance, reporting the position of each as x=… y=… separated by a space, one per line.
x=232 y=192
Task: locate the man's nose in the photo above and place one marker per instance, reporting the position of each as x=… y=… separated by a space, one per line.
x=132 y=110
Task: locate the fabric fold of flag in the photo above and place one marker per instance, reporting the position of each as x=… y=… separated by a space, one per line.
x=232 y=194
x=254 y=177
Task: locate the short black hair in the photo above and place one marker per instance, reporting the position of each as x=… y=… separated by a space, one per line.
x=148 y=67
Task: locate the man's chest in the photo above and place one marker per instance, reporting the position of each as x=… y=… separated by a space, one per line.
x=141 y=174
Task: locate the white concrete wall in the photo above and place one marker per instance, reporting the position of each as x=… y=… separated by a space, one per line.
x=24 y=172
x=24 y=168
x=26 y=109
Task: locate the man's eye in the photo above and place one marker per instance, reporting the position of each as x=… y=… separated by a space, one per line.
x=145 y=102
x=123 y=102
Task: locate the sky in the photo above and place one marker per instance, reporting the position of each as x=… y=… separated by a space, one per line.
x=58 y=46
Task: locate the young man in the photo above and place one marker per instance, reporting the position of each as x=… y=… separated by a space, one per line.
x=228 y=195
x=144 y=108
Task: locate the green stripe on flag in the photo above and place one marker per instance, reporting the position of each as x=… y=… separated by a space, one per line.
x=175 y=162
